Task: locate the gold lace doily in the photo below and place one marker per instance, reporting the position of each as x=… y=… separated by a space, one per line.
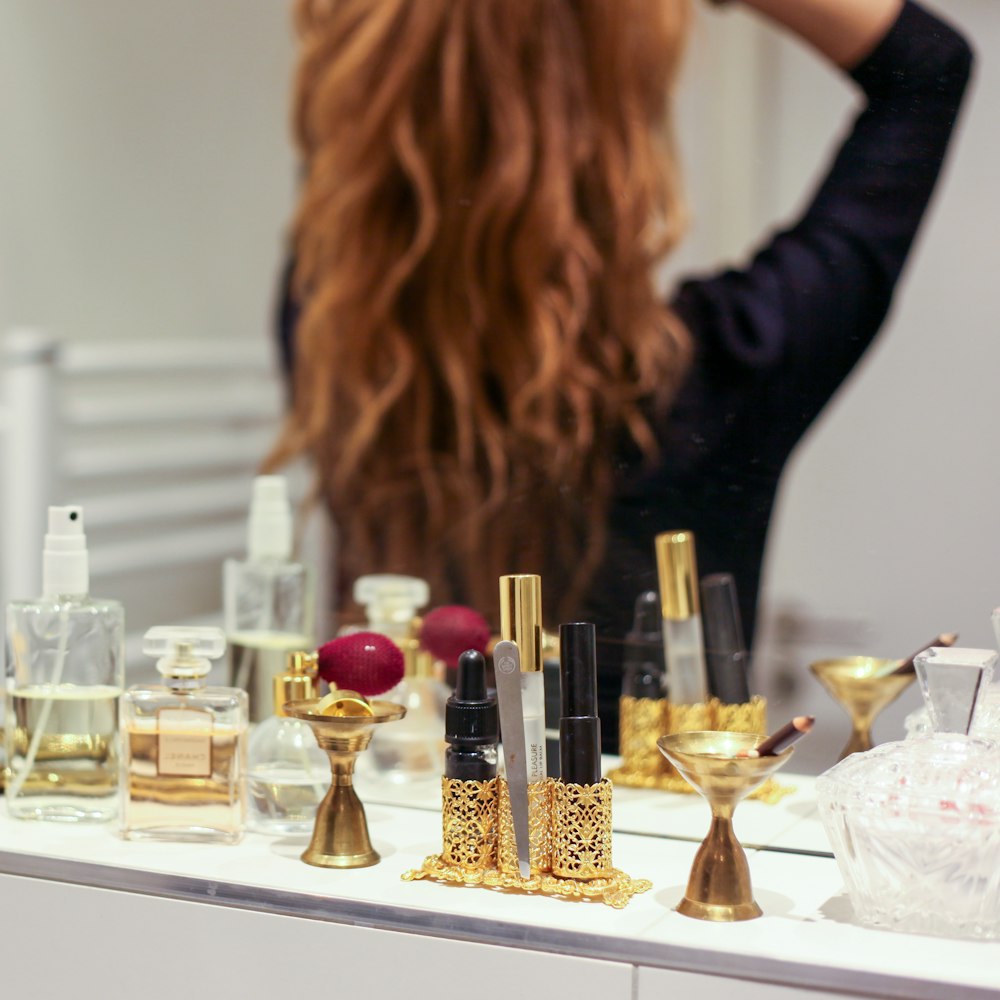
x=615 y=889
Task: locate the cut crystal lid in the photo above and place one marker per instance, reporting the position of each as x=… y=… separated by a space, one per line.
x=950 y=681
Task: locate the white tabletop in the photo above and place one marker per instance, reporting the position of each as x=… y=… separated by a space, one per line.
x=807 y=937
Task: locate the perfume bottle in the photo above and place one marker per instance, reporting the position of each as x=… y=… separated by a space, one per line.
x=288 y=773
x=267 y=598
x=184 y=745
x=65 y=674
x=414 y=747
x=915 y=824
x=642 y=664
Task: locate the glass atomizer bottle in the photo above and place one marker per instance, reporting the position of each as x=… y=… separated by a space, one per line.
x=288 y=773
x=267 y=598
x=65 y=673
x=412 y=747
x=184 y=745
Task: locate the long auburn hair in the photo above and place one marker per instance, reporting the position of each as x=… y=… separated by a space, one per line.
x=488 y=186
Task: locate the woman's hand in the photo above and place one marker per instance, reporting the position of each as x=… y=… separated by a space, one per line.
x=845 y=31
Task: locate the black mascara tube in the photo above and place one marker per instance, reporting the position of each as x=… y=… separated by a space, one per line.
x=579 y=727
x=726 y=658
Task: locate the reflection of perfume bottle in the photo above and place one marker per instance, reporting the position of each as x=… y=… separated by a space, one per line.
x=642 y=666
x=65 y=672
x=267 y=598
x=184 y=753
x=414 y=746
x=288 y=774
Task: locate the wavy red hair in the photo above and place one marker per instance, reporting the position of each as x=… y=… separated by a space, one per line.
x=488 y=186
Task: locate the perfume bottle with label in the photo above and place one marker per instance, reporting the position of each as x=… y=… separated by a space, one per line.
x=267 y=598
x=184 y=745
x=288 y=773
x=65 y=673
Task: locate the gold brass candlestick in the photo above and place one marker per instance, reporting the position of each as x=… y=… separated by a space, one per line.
x=862 y=686
x=719 y=886
x=340 y=837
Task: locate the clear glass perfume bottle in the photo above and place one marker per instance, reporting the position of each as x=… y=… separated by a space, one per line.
x=267 y=598
x=184 y=745
x=915 y=824
x=288 y=774
x=65 y=673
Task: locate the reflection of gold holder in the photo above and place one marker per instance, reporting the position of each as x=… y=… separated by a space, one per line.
x=577 y=838
x=719 y=885
x=862 y=686
x=644 y=720
x=340 y=837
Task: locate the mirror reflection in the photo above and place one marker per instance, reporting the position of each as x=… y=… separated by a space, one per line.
x=541 y=281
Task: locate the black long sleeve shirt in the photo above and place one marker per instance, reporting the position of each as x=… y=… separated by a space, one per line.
x=775 y=340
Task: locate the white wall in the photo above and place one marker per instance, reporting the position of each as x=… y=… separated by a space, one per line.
x=146 y=176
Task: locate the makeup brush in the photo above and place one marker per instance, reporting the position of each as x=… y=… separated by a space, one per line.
x=449 y=631
x=944 y=639
x=789 y=733
x=366 y=662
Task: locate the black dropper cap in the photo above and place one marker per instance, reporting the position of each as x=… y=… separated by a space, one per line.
x=643 y=660
x=470 y=716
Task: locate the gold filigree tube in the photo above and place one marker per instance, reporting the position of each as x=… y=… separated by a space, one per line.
x=581 y=830
x=468 y=823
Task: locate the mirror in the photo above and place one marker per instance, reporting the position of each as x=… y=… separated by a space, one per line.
x=147 y=182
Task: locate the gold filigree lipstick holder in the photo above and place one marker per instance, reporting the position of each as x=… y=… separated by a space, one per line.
x=570 y=838
x=719 y=887
x=340 y=837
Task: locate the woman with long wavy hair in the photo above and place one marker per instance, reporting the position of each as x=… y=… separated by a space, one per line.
x=483 y=371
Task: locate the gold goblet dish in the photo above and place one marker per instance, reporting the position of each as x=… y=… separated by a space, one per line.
x=719 y=886
x=340 y=837
x=862 y=686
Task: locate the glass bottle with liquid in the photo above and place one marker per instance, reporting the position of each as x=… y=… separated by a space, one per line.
x=267 y=598
x=288 y=774
x=65 y=656
x=184 y=745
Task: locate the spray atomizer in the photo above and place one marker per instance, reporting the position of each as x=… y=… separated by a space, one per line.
x=65 y=672
x=267 y=598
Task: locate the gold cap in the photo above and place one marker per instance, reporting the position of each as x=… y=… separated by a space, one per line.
x=417 y=662
x=521 y=617
x=341 y=704
x=678 y=575
x=298 y=682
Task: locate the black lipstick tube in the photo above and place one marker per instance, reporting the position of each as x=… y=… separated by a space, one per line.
x=579 y=727
x=726 y=658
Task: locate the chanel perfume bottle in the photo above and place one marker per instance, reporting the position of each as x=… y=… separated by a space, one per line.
x=65 y=673
x=267 y=598
x=288 y=773
x=184 y=745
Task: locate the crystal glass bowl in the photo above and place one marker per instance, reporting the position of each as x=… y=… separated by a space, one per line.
x=915 y=827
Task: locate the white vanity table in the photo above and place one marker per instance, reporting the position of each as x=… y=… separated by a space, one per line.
x=90 y=915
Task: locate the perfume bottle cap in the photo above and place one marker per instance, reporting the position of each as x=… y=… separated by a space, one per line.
x=677 y=571
x=417 y=662
x=391 y=601
x=950 y=681
x=269 y=529
x=470 y=716
x=298 y=682
x=521 y=617
x=65 y=568
x=184 y=650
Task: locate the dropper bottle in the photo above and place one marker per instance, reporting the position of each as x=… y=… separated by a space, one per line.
x=471 y=726
x=65 y=673
x=268 y=600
